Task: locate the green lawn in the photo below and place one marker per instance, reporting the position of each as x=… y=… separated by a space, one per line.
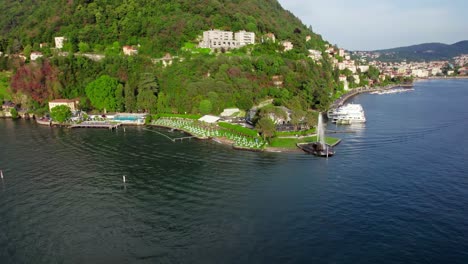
x=193 y=117
x=291 y=142
x=293 y=133
x=4 y=86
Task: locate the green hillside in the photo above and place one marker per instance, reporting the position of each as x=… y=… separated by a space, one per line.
x=159 y=26
x=195 y=82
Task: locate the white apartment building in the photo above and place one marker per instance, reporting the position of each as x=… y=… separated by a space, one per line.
x=244 y=37
x=226 y=39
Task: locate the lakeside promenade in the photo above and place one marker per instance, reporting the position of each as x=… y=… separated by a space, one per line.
x=345 y=97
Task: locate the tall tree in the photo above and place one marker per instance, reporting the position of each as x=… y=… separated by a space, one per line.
x=266 y=127
x=60 y=113
x=104 y=93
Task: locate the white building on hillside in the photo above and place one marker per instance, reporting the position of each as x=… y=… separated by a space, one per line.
x=35 y=55
x=59 y=42
x=244 y=37
x=315 y=55
x=226 y=39
x=287 y=45
x=129 y=50
x=364 y=68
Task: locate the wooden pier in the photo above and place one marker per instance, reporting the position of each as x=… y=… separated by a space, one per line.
x=88 y=124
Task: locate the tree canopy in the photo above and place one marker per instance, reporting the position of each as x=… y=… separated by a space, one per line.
x=60 y=113
x=105 y=93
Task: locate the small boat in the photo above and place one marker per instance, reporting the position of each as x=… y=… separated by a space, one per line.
x=44 y=121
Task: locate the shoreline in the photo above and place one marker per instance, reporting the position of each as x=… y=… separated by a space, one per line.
x=228 y=142
x=340 y=101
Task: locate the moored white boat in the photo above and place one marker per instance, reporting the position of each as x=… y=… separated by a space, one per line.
x=348 y=114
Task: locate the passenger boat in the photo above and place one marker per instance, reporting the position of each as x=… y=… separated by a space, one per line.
x=347 y=114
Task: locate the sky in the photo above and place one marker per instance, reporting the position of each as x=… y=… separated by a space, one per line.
x=382 y=24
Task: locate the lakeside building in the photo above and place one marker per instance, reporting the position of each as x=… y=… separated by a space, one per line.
x=72 y=103
x=215 y=38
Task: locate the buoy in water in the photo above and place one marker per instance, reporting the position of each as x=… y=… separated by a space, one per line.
x=1 y=174
x=123 y=179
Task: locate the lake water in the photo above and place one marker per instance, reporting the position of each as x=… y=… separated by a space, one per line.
x=396 y=192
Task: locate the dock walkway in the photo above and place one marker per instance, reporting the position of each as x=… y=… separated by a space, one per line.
x=91 y=124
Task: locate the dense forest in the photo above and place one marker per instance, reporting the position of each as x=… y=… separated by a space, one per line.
x=159 y=26
x=195 y=81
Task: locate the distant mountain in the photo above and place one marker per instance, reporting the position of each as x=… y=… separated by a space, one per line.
x=426 y=51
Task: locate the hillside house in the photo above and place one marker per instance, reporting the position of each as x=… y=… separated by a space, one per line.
x=315 y=55
x=129 y=50
x=271 y=37
x=59 y=42
x=287 y=45
x=35 y=55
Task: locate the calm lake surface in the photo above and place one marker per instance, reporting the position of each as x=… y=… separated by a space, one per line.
x=396 y=192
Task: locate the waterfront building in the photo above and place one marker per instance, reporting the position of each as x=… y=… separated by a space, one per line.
x=72 y=103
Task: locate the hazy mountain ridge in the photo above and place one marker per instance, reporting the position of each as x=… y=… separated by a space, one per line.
x=425 y=51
